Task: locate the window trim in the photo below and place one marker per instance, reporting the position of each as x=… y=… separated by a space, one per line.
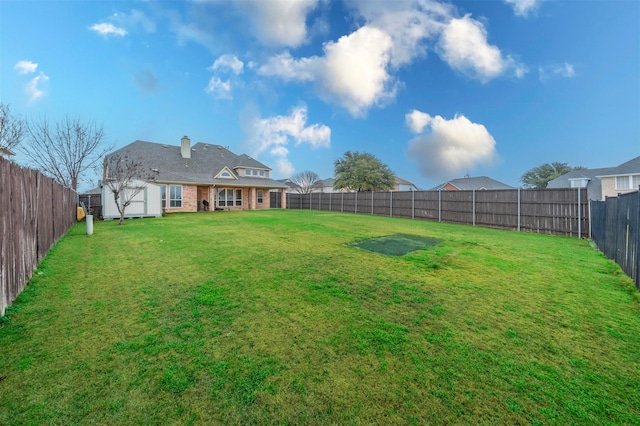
x=223 y=200
x=627 y=179
x=175 y=203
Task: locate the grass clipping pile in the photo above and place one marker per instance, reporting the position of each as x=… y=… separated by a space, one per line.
x=396 y=244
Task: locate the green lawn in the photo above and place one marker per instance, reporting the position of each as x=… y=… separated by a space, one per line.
x=276 y=317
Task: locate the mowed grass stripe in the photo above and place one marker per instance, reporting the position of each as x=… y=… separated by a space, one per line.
x=271 y=317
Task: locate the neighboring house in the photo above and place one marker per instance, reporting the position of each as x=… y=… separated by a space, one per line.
x=291 y=186
x=187 y=175
x=326 y=185
x=470 y=183
x=601 y=183
x=404 y=185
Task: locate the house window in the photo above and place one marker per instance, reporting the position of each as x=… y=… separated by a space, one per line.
x=252 y=172
x=635 y=181
x=225 y=174
x=226 y=197
x=260 y=195
x=175 y=196
x=163 y=193
x=627 y=182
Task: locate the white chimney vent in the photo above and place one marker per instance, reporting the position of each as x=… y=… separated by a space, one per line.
x=185 y=147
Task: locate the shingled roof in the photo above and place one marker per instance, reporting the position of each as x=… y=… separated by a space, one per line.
x=477 y=183
x=594 y=185
x=206 y=162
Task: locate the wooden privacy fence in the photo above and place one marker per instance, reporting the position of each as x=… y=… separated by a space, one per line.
x=34 y=213
x=93 y=203
x=615 y=228
x=551 y=211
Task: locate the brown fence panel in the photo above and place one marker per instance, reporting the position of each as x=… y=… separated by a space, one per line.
x=381 y=203
x=402 y=204
x=549 y=211
x=426 y=205
x=497 y=209
x=34 y=213
x=616 y=231
x=457 y=206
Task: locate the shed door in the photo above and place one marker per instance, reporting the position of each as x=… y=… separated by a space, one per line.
x=138 y=205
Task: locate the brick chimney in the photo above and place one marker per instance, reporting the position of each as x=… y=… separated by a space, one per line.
x=185 y=147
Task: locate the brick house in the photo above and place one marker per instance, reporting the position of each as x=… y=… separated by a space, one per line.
x=189 y=175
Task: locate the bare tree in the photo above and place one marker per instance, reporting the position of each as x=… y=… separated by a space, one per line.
x=304 y=181
x=12 y=130
x=66 y=149
x=125 y=177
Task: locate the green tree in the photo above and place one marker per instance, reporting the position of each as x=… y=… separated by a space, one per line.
x=362 y=172
x=539 y=177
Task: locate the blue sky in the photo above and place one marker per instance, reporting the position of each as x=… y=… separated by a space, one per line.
x=435 y=90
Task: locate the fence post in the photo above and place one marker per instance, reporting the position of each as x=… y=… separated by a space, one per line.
x=439 y=205
x=390 y=203
x=342 y=203
x=330 y=201
x=518 y=209
x=355 y=208
x=579 y=214
x=413 y=204
x=473 y=207
x=371 y=203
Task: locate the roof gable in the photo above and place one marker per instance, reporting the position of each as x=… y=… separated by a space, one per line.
x=474 y=183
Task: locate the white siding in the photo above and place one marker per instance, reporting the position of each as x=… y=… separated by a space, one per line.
x=147 y=203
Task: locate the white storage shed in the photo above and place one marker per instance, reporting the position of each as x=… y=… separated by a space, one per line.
x=146 y=203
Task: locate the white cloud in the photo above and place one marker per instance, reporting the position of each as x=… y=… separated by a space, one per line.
x=358 y=71
x=284 y=167
x=279 y=23
x=523 y=7
x=408 y=23
x=352 y=73
x=218 y=88
x=106 y=29
x=34 y=92
x=288 y=68
x=451 y=146
x=25 y=67
x=463 y=45
x=228 y=61
x=417 y=120
x=274 y=134
x=565 y=70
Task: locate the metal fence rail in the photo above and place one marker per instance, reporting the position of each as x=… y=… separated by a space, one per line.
x=549 y=211
x=34 y=213
x=615 y=229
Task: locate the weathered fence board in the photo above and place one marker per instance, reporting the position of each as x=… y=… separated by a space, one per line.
x=34 y=213
x=615 y=228
x=548 y=211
